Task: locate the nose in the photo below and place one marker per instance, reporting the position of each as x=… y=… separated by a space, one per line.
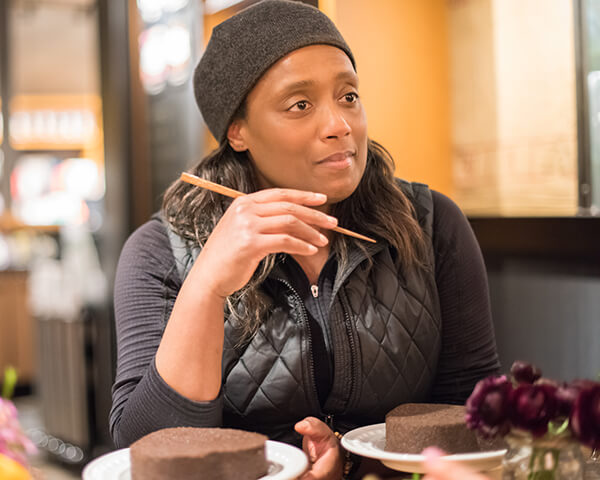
x=334 y=123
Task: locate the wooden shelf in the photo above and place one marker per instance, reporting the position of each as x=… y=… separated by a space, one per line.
x=560 y=238
x=9 y=224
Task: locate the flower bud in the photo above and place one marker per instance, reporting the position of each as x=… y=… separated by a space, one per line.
x=565 y=397
x=567 y=393
x=524 y=372
x=585 y=417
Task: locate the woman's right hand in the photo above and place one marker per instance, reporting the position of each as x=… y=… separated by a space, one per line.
x=269 y=221
x=255 y=225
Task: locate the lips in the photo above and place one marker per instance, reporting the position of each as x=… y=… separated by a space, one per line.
x=338 y=157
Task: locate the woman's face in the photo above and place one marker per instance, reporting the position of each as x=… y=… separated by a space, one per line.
x=305 y=126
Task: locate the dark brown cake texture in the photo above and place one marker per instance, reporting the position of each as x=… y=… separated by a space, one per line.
x=411 y=427
x=199 y=453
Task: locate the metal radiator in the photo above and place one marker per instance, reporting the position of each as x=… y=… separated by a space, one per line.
x=63 y=388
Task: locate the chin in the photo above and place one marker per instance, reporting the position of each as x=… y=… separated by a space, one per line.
x=341 y=192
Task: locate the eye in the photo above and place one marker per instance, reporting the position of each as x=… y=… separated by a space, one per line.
x=351 y=97
x=300 y=106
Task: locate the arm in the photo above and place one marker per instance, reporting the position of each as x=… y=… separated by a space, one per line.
x=468 y=351
x=146 y=287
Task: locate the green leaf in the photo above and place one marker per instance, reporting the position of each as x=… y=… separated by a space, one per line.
x=10 y=380
x=555 y=429
x=416 y=476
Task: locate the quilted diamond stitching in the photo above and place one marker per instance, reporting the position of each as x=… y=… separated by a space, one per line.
x=263 y=346
x=424 y=313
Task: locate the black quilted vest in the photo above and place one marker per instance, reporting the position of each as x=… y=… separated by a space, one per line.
x=385 y=334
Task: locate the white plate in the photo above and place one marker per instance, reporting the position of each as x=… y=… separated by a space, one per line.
x=285 y=463
x=370 y=442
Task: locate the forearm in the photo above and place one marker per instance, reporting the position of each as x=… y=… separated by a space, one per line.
x=152 y=405
x=196 y=319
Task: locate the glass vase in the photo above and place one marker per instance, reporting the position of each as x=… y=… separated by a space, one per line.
x=527 y=458
x=592 y=464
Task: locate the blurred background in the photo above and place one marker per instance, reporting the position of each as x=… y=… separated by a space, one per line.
x=495 y=103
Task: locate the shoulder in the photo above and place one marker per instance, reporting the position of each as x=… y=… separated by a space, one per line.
x=147 y=250
x=151 y=238
x=438 y=214
x=452 y=231
x=415 y=191
x=420 y=196
x=446 y=211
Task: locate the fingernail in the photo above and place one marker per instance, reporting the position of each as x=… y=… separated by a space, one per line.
x=312 y=249
x=432 y=456
x=323 y=239
x=302 y=424
x=332 y=220
x=433 y=452
x=321 y=196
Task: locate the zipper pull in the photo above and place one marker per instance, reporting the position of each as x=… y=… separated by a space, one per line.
x=314 y=290
x=328 y=419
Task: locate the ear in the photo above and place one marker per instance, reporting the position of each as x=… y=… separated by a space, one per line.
x=235 y=136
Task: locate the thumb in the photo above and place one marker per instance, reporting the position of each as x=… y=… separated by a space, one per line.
x=313 y=427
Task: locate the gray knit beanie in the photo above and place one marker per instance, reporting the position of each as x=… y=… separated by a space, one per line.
x=243 y=47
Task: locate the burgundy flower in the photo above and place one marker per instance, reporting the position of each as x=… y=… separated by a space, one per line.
x=533 y=406
x=524 y=372
x=487 y=409
x=565 y=398
x=567 y=394
x=585 y=417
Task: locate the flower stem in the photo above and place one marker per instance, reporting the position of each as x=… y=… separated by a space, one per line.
x=10 y=380
x=537 y=466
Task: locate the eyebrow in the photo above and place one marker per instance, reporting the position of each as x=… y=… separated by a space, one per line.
x=294 y=87
x=351 y=77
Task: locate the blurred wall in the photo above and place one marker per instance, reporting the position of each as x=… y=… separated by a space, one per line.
x=36 y=66
x=546 y=311
x=514 y=127
x=402 y=55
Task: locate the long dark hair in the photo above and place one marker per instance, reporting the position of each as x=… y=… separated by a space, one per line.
x=377 y=208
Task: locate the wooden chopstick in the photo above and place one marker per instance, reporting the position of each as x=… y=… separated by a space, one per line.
x=230 y=192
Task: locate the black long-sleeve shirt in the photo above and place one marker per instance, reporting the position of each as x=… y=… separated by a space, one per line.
x=147 y=285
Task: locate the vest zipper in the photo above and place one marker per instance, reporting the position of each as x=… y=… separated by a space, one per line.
x=328 y=419
x=314 y=289
x=352 y=343
x=311 y=360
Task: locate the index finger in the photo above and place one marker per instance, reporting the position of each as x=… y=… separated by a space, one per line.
x=289 y=195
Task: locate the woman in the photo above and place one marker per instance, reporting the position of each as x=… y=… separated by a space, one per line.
x=253 y=313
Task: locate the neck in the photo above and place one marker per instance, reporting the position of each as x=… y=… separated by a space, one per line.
x=313 y=264
x=326 y=208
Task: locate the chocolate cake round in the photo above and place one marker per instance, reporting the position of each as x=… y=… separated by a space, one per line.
x=411 y=427
x=195 y=453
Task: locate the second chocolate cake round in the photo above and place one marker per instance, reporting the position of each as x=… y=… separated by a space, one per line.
x=411 y=427
x=195 y=453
